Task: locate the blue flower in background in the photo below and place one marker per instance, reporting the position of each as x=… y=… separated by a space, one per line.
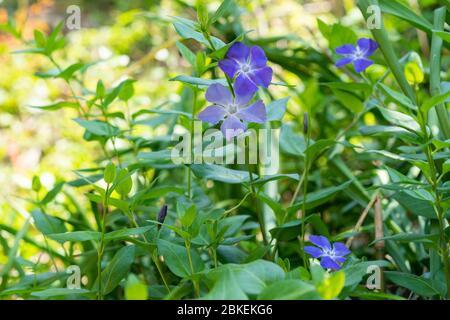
x=249 y=67
x=357 y=55
x=330 y=256
x=234 y=111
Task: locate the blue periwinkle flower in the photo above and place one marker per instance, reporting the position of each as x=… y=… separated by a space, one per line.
x=358 y=55
x=331 y=256
x=234 y=111
x=249 y=67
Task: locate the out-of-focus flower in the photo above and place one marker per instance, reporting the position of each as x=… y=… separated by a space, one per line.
x=357 y=55
x=305 y=123
x=162 y=215
x=331 y=256
x=235 y=111
x=249 y=67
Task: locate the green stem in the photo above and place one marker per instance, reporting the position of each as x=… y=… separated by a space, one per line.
x=194 y=103
x=101 y=246
x=305 y=193
x=435 y=71
x=191 y=265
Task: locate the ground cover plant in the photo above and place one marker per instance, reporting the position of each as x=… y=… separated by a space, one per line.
x=132 y=194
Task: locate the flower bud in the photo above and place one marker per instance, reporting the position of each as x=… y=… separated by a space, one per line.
x=162 y=215
x=305 y=123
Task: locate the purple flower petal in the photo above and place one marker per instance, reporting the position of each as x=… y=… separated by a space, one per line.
x=345 y=49
x=340 y=249
x=313 y=251
x=328 y=263
x=212 y=114
x=244 y=86
x=362 y=64
x=242 y=96
x=320 y=241
x=343 y=62
x=262 y=77
x=368 y=46
x=239 y=52
x=339 y=259
x=219 y=94
x=229 y=67
x=258 y=58
x=256 y=112
x=232 y=127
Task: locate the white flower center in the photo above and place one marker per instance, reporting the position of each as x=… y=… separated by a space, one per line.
x=245 y=68
x=232 y=108
x=358 y=53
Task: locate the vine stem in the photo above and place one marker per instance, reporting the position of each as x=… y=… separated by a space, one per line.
x=153 y=255
x=101 y=246
x=191 y=265
x=305 y=194
x=192 y=154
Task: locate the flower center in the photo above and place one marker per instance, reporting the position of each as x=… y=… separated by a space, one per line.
x=245 y=68
x=358 y=53
x=232 y=108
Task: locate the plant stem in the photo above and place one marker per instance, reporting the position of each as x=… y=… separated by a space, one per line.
x=191 y=265
x=259 y=214
x=305 y=194
x=101 y=246
x=191 y=133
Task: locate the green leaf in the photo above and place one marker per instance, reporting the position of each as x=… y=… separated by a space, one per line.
x=125 y=233
x=56 y=292
x=316 y=198
x=349 y=86
x=400 y=119
x=126 y=91
x=52 y=193
x=176 y=258
x=252 y=277
x=226 y=287
x=317 y=147
x=124 y=183
x=354 y=273
x=416 y=201
x=67 y=73
x=398 y=97
x=332 y=285
x=289 y=290
x=58 y=105
x=290 y=230
x=186 y=29
x=117 y=269
x=290 y=142
x=399 y=10
x=444 y=35
x=349 y=100
x=98 y=128
x=434 y=101
x=39 y=38
x=47 y=224
x=220 y=173
x=409 y=237
x=110 y=173
x=276 y=109
x=221 y=11
x=198 y=81
x=412 y=282
x=186 y=53
x=76 y=236
x=135 y=289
